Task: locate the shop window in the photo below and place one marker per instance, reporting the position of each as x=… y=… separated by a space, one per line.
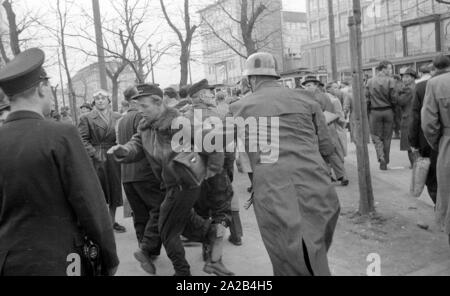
x=421 y=39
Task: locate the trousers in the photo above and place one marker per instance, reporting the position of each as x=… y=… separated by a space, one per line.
x=381 y=126
x=215 y=199
x=177 y=218
x=145 y=200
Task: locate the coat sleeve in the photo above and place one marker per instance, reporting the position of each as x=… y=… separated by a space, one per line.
x=84 y=193
x=431 y=124
x=136 y=150
x=415 y=123
x=86 y=136
x=326 y=146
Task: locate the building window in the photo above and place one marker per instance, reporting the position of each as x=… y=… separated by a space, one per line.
x=343 y=23
x=445 y=29
x=368 y=15
x=421 y=39
x=409 y=9
x=324 y=29
x=314 y=30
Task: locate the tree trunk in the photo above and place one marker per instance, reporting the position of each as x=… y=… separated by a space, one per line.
x=13 y=34
x=3 y=51
x=115 y=94
x=184 y=65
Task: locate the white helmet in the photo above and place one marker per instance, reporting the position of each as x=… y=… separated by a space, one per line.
x=261 y=64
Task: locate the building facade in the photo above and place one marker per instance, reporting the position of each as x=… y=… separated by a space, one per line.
x=275 y=31
x=87 y=81
x=406 y=32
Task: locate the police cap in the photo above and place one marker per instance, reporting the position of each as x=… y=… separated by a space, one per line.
x=200 y=86
x=146 y=90
x=23 y=72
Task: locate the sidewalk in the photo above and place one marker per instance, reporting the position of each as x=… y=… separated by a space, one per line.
x=404 y=248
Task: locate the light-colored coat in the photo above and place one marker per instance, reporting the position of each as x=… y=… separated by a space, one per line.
x=436 y=127
x=296 y=206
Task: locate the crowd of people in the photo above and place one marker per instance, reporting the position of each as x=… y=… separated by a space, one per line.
x=61 y=184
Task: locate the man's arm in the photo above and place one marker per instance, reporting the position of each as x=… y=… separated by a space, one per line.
x=326 y=146
x=430 y=118
x=84 y=193
x=85 y=134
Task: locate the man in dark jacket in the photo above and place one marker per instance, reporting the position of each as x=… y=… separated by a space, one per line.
x=381 y=94
x=405 y=99
x=98 y=132
x=417 y=139
x=154 y=141
x=143 y=190
x=50 y=196
x=217 y=192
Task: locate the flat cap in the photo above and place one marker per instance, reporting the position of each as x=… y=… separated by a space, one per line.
x=23 y=72
x=87 y=106
x=408 y=71
x=130 y=92
x=144 y=90
x=200 y=86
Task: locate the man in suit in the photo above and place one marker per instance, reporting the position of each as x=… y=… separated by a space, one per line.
x=143 y=190
x=50 y=196
x=98 y=133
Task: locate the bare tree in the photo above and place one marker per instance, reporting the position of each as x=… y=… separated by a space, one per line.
x=125 y=41
x=185 y=42
x=59 y=34
x=17 y=34
x=251 y=13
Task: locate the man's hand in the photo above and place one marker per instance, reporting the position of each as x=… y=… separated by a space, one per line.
x=119 y=152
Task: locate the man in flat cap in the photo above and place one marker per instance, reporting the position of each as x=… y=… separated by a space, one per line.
x=154 y=141
x=405 y=100
x=142 y=188
x=217 y=192
x=98 y=132
x=50 y=196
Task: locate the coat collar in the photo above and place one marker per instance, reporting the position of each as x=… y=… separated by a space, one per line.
x=265 y=84
x=21 y=115
x=97 y=119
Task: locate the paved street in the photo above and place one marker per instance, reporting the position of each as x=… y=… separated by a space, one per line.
x=404 y=248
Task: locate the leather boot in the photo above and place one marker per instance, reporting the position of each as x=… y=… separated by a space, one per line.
x=146 y=261
x=215 y=265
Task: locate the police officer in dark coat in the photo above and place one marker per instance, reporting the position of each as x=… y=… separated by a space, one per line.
x=142 y=188
x=50 y=196
x=217 y=192
x=98 y=132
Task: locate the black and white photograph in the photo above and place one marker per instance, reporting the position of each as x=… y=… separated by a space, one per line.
x=244 y=140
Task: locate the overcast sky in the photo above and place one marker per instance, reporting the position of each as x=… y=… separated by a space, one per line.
x=167 y=71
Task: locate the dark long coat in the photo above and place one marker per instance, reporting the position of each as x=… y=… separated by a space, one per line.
x=98 y=137
x=49 y=197
x=405 y=101
x=296 y=205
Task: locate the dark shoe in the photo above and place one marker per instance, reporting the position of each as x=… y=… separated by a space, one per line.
x=119 y=228
x=146 y=262
x=217 y=268
x=383 y=167
x=344 y=182
x=235 y=241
